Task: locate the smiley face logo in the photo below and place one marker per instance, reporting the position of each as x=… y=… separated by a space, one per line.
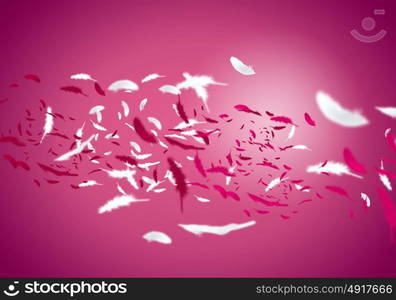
x=368 y=24
x=12 y=291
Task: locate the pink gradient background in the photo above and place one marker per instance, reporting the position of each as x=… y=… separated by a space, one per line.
x=296 y=48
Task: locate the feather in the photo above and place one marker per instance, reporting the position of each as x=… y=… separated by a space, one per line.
x=81 y=76
x=119 y=201
x=183 y=146
x=54 y=171
x=140 y=156
x=73 y=89
x=309 y=120
x=199 y=166
x=157 y=236
x=124 y=85
x=151 y=77
x=291 y=132
x=241 y=67
x=97 y=110
x=351 y=161
x=32 y=77
x=244 y=108
x=88 y=183
x=389 y=111
x=121 y=190
x=200 y=199
x=156 y=122
x=198 y=83
x=191 y=122
x=125 y=107
x=282 y=119
x=75 y=151
x=128 y=174
x=218 y=230
x=274 y=183
x=15 y=163
x=99 y=89
x=142 y=132
x=147 y=165
x=181 y=112
x=333 y=111
x=366 y=199
x=384 y=179
x=331 y=167
x=389 y=139
x=49 y=123
x=97 y=126
x=300 y=147
x=136 y=146
x=143 y=104
x=180 y=180
x=169 y=89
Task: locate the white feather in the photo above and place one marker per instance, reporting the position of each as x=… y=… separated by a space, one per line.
x=191 y=122
x=170 y=89
x=130 y=126
x=119 y=201
x=128 y=174
x=198 y=83
x=82 y=76
x=299 y=187
x=120 y=189
x=124 y=85
x=389 y=111
x=75 y=151
x=140 y=156
x=159 y=190
x=143 y=104
x=49 y=123
x=156 y=122
x=157 y=236
x=241 y=67
x=97 y=126
x=333 y=111
x=332 y=167
x=162 y=144
x=125 y=107
x=300 y=147
x=291 y=132
x=200 y=199
x=135 y=146
x=218 y=230
x=147 y=165
x=366 y=199
x=274 y=183
x=89 y=183
x=151 y=77
x=384 y=179
x=180 y=137
x=97 y=110
x=152 y=183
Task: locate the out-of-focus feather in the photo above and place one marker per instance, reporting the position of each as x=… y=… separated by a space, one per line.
x=333 y=111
